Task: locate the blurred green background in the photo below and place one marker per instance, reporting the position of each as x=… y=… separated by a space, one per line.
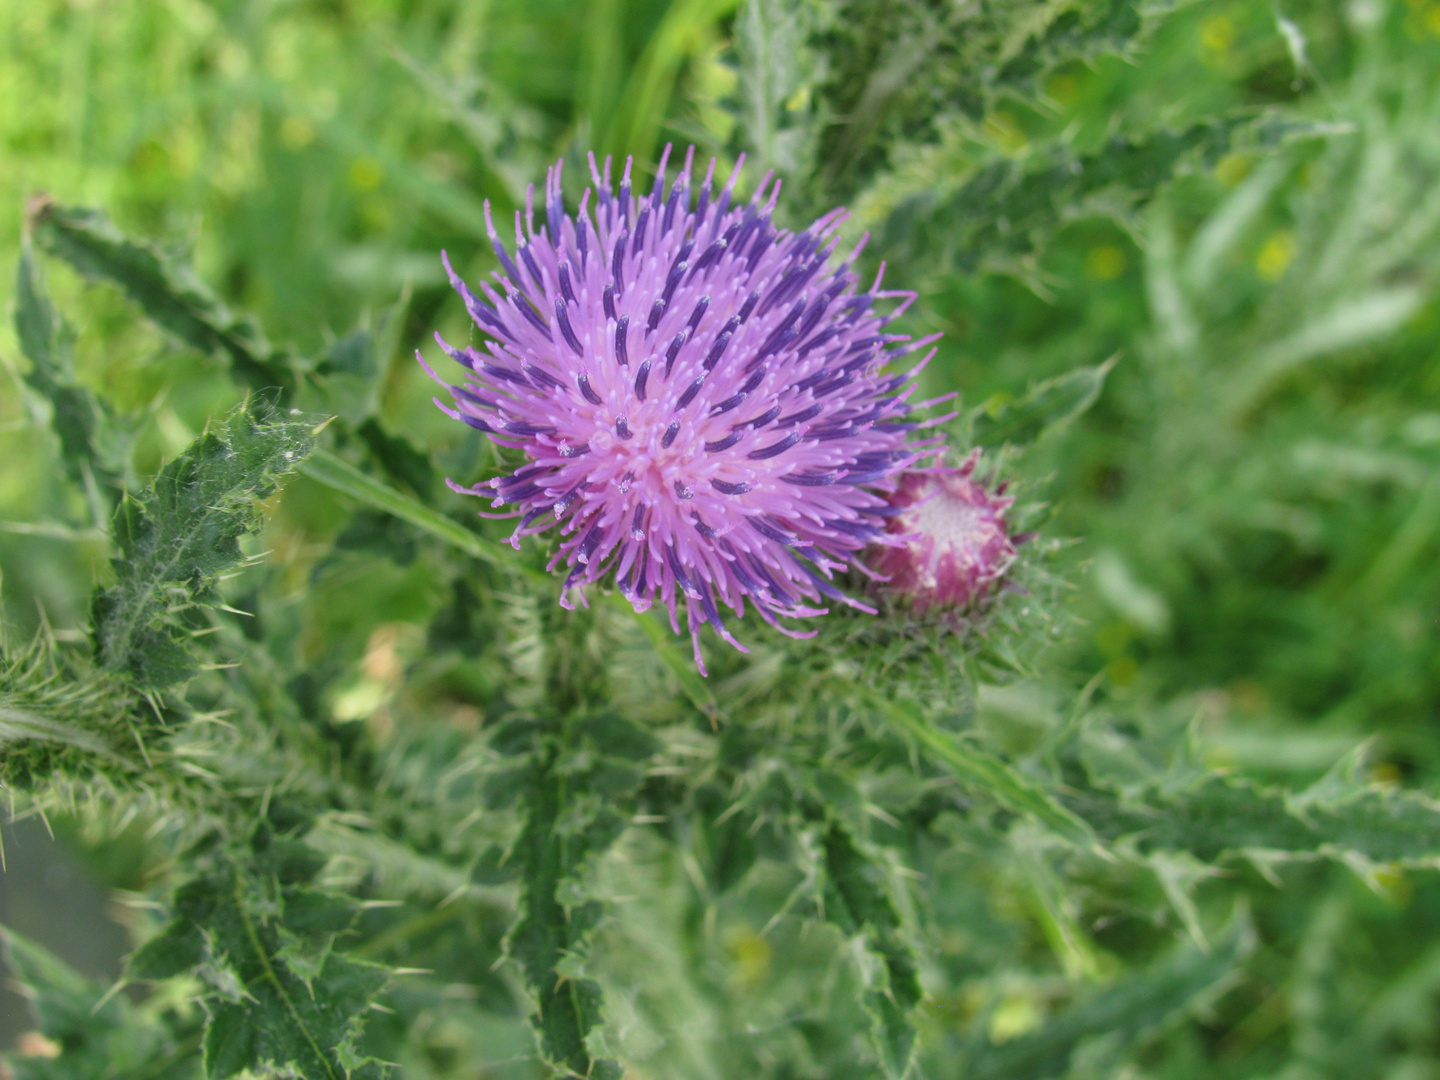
x=1254 y=500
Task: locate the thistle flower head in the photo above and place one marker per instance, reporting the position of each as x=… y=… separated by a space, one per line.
x=953 y=545
x=698 y=395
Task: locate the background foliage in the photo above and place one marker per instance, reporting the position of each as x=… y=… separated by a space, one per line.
x=372 y=804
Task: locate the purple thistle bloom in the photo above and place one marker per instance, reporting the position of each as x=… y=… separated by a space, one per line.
x=699 y=396
x=953 y=545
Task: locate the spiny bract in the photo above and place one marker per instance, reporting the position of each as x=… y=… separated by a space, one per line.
x=698 y=393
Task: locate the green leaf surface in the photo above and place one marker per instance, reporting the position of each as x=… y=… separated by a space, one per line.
x=164 y=289
x=260 y=937
x=176 y=539
x=1118 y=1016
x=857 y=902
x=80 y=419
x=1009 y=208
x=896 y=73
x=1052 y=404
x=681 y=665
x=57 y=718
x=990 y=774
x=340 y=475
x=1360 y=823
x=577 y=792
x=772 y=43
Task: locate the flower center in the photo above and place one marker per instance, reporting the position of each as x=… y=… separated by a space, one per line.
x=951 y=520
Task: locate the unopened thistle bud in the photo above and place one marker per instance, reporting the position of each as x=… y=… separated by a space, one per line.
x=699 y=396
x=954 y=542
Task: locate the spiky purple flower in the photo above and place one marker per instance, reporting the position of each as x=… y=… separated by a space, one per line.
x=698 y=395
x=953 y=542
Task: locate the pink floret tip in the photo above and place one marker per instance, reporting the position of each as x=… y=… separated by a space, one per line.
x=700 y=397
x=953 y=542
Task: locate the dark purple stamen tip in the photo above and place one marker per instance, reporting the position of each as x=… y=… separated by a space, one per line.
x=806 y=479
x=690 y=392
x=772 y=530
x=760 y=421
x=617 y=263
x=675 y=345
x=775 y=448
x=673 y=281
x=590 y=395
x=729 y=403
x=565 y=329
x=532 y=266
x=717 y=350
x=621 y=332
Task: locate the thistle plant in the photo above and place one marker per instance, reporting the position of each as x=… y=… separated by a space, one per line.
x=401 y=779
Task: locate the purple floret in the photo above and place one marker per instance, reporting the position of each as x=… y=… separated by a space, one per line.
x=699 y=395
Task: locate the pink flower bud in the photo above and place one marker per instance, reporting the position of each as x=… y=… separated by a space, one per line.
x=951 y=540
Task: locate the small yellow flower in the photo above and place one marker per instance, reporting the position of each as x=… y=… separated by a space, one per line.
x=366 y=174
x=1217 y=33
x=1275 y=255
x=1123 y=671
x=296 y=132
x=1391 y=883
x=751 y=955
x=1006 y=132
x=1015 y=1015
x=1063 y=88
x=1232 y=168
x=1105 y=263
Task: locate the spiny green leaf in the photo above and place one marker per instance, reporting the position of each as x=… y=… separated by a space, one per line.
x=577 y=801
x=546 y=933
x=54 y=718
x=81 y=420
x=974 y=766
x=399 y=868
x=894 y=71
x=680 y=665
x=1122 y=1014
x=260 y=938
x=1010 y=207
x=1361 y=823
x=772 y=43
x=177 y=538
x=857 y=902
x=1054 y=402
x=164 y=289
